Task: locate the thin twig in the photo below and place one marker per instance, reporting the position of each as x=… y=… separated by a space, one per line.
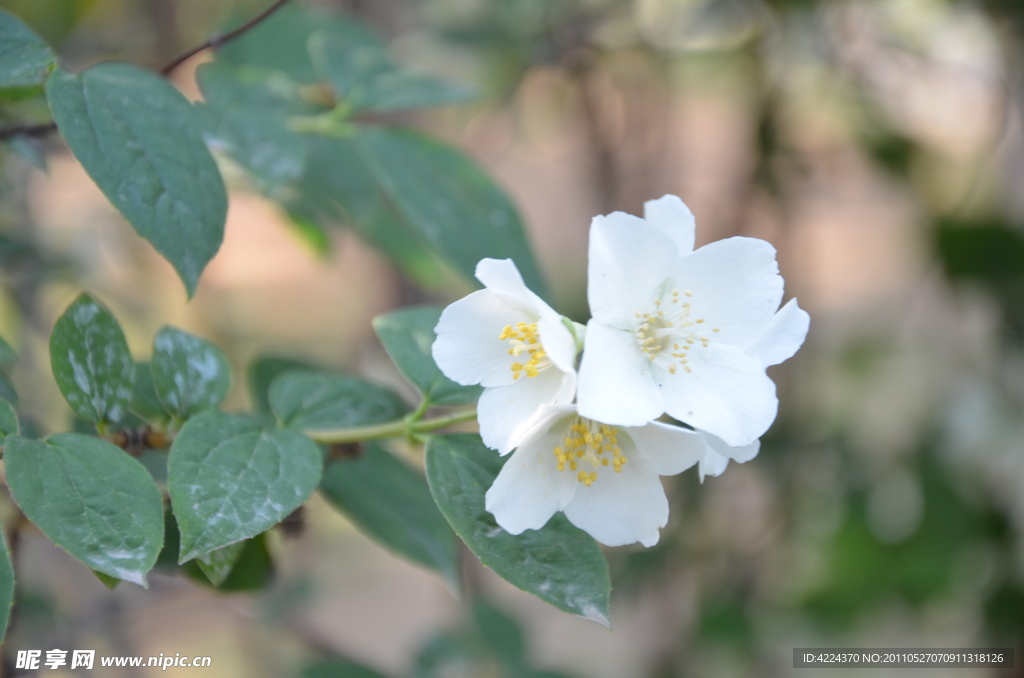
x=37 y=130
x=219 y=40
x=42 y=129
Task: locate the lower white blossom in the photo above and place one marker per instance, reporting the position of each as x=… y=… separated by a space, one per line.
x=507 y=339
x=604 y=478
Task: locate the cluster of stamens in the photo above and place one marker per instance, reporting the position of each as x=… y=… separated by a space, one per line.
x=591 y=443
x=524 y=338
x=661 y=334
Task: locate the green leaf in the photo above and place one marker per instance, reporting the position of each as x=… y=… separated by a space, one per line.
x=7 y=391
x=339 y=668
x=263 y=371
x=6 y=585
x=391 y=503
x=230 y=480
x=7 y=355
x=247 y=117
x=279 y=43
x=145 y=402
x=217 y=565
x=254 y=569
x=91 y=499
x=338 y=187
x=560 y=564
x=502 y=634
x=139 y=139
x=365 y=78
x=30 y=150
x=312 y=233
x=408 y=336
x=190 y=374
x=91 y=362
x=319 y=400
x=25 y=58
x=8 y=423
x=105 y=579
x=449 y=202
x=442 y=653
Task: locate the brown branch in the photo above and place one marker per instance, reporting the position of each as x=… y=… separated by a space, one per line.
x=42 y=129
x=219 y=40
x=37 y=130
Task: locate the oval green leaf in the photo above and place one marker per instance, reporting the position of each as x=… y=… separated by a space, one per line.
x=280 y=42
x=230 y=480
x=7 y=355
x=247 y=118
x=217 y=565
x=253 y=570
x=339 y=668
x=365 y=78
x=8 y=422
x=7 y=391
x=91 y=499
x=448 y=201
x=320 y=400
x=6 y=585
x=263 y=371
x=25 y=58
x=145 y=402
x=391 y=503
x=560 y=564
x=190 y=374
x=91 y=362
x=339 y=189
x=407 y=336
x=140 y=141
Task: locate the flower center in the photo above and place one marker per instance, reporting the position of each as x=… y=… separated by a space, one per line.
x=524 y=339
x=664 y=334
x=589 y=444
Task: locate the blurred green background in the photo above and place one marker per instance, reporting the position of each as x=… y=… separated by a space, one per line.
x=876 y=143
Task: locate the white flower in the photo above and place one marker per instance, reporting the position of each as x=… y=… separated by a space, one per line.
x=717 y=455
x=604 y=478
x=507 y=339
x=683 y=331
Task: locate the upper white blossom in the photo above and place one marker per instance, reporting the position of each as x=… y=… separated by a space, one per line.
x=604 y=478
x=717 y=455
x=683 y=331
x=507 y=339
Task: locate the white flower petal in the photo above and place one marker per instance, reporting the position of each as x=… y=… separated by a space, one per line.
x=719 y=454
x=713 y=464
x=785 y=334
x=467 y=348
x=727 y=393
x=622 y=508
x=557 y=340
x=503 y=410
x=530 y=489
x=671 y=215
x=741 y=454
x=503 y=278
x=735 y=286
x=672 y=449
x=616 y=386
x=629 y=264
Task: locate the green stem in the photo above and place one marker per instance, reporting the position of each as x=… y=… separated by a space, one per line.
x=415 y=416
x=389 y=429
